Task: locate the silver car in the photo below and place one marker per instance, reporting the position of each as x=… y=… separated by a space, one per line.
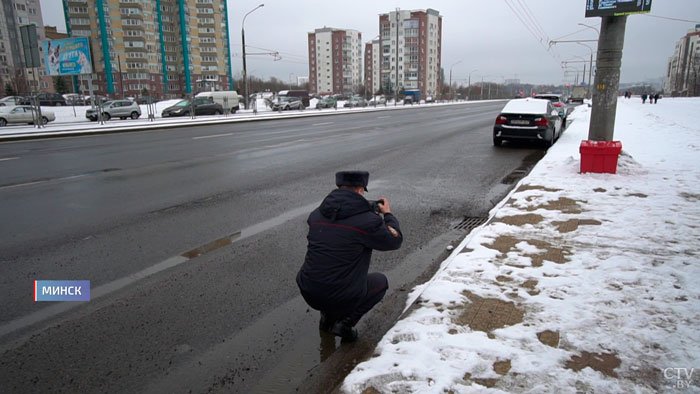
x=121 y=109
x=22 y=114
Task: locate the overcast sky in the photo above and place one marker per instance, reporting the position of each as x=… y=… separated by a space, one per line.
x=487 y=36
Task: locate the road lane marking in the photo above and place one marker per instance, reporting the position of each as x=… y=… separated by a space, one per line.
x=383 y=117
x=22 y=184
x=174 y=261
x=9 y=158
x=212 y=136
x=322 y=124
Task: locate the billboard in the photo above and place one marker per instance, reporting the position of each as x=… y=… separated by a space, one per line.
x=616 y=7
x=68 y=56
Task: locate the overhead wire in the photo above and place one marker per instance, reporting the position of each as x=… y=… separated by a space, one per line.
x=670 y=18
x=532 y=26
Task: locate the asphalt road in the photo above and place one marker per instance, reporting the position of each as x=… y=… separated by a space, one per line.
x=192 y=237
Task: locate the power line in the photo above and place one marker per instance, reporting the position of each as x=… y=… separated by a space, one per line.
x=539 y=39
x=671 y=19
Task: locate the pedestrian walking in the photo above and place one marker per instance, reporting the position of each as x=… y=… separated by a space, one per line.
x=644 y=98
x=343 y=231
x=656 y=98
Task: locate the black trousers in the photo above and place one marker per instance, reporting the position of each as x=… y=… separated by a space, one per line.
x=377 y=285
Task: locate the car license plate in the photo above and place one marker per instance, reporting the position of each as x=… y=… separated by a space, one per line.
x=520 y=122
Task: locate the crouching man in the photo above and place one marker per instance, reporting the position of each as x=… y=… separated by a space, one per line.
x=343 y=231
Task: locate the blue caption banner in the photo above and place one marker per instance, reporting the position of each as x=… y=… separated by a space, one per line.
x=61 y=290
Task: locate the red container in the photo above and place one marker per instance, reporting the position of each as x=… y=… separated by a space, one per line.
x=600 y=156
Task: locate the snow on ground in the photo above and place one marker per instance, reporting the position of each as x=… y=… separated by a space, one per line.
x=578 y=283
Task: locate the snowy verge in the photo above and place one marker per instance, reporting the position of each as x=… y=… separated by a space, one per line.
x=578 y=283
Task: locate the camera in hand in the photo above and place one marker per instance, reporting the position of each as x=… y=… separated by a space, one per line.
x=375 y=206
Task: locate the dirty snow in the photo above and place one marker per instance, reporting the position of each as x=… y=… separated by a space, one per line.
x=610 y=269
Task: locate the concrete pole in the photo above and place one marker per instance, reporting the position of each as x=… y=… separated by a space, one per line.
x=607 y=78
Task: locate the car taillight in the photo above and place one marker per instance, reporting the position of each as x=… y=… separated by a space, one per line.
x=541 y=121
x=558 y=104
x=501 y=119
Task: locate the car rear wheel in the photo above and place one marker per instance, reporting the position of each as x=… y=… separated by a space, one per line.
x=3 y=122
x=134 y=115
x=106 y=116
x=44 y=120
x=217 y=112
x=497 y=141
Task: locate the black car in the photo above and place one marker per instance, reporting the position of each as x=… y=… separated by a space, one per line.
x=528 y=119
x=50 y=99
x=202 y=106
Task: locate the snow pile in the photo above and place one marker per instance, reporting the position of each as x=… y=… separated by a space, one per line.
x=578 y=283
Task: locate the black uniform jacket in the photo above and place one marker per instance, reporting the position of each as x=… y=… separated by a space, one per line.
x=342 y=233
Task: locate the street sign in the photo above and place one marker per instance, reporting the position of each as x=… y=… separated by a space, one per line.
x=616 y=7
x=30 y=46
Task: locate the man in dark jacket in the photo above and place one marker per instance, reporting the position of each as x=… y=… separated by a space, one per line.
x=343 y=231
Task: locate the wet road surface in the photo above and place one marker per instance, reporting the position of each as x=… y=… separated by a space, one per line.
x=192 y=237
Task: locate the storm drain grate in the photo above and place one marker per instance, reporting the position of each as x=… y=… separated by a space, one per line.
x=470 y=223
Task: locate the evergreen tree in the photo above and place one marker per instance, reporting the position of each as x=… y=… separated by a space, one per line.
x=9 y=90
x=59 y=84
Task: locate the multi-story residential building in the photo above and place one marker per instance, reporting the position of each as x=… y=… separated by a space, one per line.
x=335 y=61
x=166 y=48
x=13 y=14
x=411 y=45
x=682 y=77
x=372 y=67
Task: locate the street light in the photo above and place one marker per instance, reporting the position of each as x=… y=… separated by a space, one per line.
x=590 y=69
x=590 y=27
x=469 y=84
x=245 y=76
x=451 y=92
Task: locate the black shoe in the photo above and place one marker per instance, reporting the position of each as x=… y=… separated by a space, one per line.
x=326 y=324
x=346 y=332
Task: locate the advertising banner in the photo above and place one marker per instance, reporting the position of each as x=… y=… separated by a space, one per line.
x=616 y=7
x=68 y=56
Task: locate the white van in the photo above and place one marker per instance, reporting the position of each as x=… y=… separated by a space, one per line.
x=228 y=99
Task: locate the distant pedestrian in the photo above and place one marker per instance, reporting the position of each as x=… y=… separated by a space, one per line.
x=656 y=98
x=644 y=98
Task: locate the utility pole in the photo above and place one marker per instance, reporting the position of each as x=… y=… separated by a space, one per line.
x=607 y=77
x=121 y=76
x=396 y=88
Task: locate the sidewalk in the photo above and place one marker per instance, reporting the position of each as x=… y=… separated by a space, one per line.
x=578 y=283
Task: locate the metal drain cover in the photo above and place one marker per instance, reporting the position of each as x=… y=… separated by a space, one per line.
x=471 y=223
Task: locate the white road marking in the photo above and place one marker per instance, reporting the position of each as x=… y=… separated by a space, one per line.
x=212 y=136
x=9 y=158
x=21 y=184
x=383 y=117
x=322 y=124
x=107 y=288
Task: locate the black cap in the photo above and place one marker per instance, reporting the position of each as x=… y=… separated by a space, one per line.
x=352 y=178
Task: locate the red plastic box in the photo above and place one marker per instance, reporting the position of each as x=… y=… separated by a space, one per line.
x=600 y=156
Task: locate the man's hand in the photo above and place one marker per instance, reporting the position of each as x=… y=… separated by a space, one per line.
x=384 y=205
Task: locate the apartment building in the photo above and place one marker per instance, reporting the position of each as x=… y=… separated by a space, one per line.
x=335 y=61
x=682 y=72
x=411 y=51
x=13 y=14
x=167 y=48
x=373 y=67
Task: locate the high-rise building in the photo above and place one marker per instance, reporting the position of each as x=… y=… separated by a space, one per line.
x=335 y=61
x=411 y=45
x=13 y=14
x=682 y=77
x=165 y=48
x=372 y=67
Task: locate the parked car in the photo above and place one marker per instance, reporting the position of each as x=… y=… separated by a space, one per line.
x=429 y=99
x=11 y=100
x=327 y=102
x=145 y=100
x=284 y=103
x=408 y=100
x=121 y=109
x=558 y=101
x=528 y=119
x=380 y=100
x=22 y=114
x=227 y=98
x=302 y=94
x=50 y=99
x=356 y=102
x=202 y=106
